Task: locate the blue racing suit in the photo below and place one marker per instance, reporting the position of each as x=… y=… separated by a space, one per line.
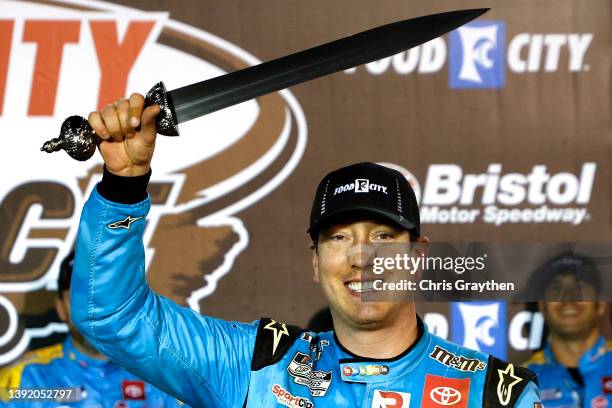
x=560 y=389
x=80 y=381
x=208 y=362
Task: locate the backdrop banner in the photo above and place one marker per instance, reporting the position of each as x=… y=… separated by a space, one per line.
x=502 y=127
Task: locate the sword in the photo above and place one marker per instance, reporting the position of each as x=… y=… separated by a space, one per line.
x=79 y=140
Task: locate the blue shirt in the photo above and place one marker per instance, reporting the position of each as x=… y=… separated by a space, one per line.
x=559 y=389
x=209 y=362
x=90 y=382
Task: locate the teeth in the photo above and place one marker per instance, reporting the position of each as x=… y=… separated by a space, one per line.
x=361 y=286
x=569 y=311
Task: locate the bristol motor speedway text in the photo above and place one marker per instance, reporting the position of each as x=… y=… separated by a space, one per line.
x=450 y=196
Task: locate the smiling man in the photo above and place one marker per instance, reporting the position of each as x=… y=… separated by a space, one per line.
x=380 y=355
x=575 y=367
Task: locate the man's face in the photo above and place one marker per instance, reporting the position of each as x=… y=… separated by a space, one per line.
x=343 y=258
x=573 y=320
x=569 y=319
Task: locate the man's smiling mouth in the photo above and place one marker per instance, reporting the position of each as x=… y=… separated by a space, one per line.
x=361 y=286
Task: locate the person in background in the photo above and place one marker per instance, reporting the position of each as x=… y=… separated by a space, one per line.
x=575 y=367
x=73 y=372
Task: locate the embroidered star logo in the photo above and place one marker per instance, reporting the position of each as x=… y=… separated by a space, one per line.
x=124 y=223
x=507 y=380
x=279 y=330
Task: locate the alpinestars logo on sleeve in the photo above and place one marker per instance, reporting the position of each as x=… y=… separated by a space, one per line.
x=126 y=223
x=279 y=330
x=507 y=380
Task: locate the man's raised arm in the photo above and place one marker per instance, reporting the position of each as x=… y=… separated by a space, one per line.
x=200 y=360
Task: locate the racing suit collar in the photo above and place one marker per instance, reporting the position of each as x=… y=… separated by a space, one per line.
x=592 y=355
x=587 y=360
x=354 y=368
x=82 y=359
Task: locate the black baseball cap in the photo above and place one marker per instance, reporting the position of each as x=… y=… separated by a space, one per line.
x=365 y=188
x=582 y=267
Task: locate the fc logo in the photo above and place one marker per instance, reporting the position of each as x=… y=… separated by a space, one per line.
x=361 y=185
x=477 y=58
x=480 y=326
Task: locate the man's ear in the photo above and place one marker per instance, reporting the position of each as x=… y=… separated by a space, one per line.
x=315 y=262
x=424 y=238
x=601 y=309
x=421 y=245
x=418 y=248
x=60 y=309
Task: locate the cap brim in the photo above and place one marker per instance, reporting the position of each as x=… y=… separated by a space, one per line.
x=395 y=218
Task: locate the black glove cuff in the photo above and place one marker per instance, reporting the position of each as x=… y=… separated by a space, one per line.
x=123 y=190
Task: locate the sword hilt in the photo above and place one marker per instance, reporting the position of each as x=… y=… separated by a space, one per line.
x=79 y=140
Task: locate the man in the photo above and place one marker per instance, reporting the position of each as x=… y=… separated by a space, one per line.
x=74 y=373
x=575 y=367
x=380 y=355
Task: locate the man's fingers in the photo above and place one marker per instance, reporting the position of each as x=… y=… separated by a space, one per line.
x=147 y=124
x=136 y=106
x=123 y=113
x=96 y=122
x=111 y=120
x=148 y=115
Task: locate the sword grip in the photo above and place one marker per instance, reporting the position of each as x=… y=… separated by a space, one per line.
x=79 y=140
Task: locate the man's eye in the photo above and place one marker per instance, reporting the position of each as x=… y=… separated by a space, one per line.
x=337 y=237
x=384 y=236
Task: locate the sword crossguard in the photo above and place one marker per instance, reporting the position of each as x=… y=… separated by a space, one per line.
x=79 y=140
x=165 y=121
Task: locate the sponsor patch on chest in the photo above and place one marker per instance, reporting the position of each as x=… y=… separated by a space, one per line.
x=457 y=362
x=300 y=368
x=390 y=399
x=133 y=390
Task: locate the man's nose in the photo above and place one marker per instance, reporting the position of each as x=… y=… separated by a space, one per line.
x=361 y=255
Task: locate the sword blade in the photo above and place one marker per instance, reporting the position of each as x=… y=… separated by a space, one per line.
x=208 y=96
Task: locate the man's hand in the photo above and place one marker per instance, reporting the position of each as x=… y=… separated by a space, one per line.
x=125 y=150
